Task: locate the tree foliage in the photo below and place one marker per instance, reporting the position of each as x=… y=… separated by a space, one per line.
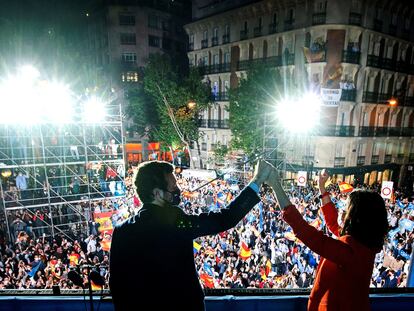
x=255 y=96
x=164 y=87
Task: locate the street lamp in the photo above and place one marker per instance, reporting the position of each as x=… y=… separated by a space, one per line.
x=393 y=102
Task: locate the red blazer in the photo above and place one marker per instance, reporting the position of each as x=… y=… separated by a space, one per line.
x=345 y=269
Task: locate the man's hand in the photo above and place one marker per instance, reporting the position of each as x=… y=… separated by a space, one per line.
x=323 y=178
x=262 y=172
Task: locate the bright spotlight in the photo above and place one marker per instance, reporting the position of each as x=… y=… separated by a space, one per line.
x=299 y=115
x=57 y=101
x=94 y=110
x=28 y=72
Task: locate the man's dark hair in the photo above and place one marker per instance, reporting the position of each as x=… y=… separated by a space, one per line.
x=366 y=219
x=151 y=175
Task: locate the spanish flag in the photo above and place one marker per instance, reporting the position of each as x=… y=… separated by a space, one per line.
x=268 y=267
x=245 y=251
x=207 y=280
x=345 y=187
x=95 y=286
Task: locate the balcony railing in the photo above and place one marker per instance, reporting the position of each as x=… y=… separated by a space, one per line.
x=191 y=46
x=289 y=24
x=405 y=34
x=350 y=57
x=337 y=130
x=381 y=131
x=274 y=61
x=360 y=160
x=355 y=18
x=377 y=25
x=411 y=158
x=392 y=29
x=387 y=158
x=257 y=31
x=214 y=123
x=244 y=34
x=214 y=41
x=215 y=68
x=373 y=97
x=339 y=161
x=272 y=28
x=383 y=63
x=400 y=158
x=226 y=39
x=204 y=43
x=221 y=96
x=375 y=159
x=348 y=95
x=319 y=18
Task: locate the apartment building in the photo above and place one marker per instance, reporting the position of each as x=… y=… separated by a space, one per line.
x=122 y=35
x=362 y=48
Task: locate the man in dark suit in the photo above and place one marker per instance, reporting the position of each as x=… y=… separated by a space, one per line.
x=151 y=258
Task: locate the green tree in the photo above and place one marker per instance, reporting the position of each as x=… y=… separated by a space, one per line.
x=161 y=105
x=255 y=96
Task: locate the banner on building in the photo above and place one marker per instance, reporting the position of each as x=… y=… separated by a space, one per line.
x=386 y=189
x=301 y=180
x=331 y=97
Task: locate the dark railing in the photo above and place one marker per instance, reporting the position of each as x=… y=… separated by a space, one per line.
x=355 y=18
x=382 y=131
x=348 y=95
x=375 y=159
x=244 y=34
x=272 y=28
x=405 y=34
x=289 y=24
x=360 y=160
x=339 y=161
x=319 y=18
x=387 y=158
x=221 y=96
x=392 y=29
x=214 y=123
x=257 y=31
x=400 y=158
x=204 y=43
x=337 y=130
x=214 y=41
x=383 y=63
x=215 y=68
x=350 y=57
x=191 y=46
x=411 y=158
x=226 y=39
x=370 y=97
x=273 y=61
x=377 y=25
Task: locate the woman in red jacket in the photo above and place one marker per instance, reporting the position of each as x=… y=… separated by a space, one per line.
x=346 y=264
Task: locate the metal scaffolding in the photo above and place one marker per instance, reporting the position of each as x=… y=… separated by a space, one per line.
x=54 y=175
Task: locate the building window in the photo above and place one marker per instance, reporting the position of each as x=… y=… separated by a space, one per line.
x=154 y=41
x=166 y=44
x=153 y=21
x=126 y=20
x=129 y=57
x=227 y=30
x=227 y=58
x=128 y=39
x=130 y=76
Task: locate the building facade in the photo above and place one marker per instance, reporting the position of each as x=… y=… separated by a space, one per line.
x=122 y=36
x=364 y=49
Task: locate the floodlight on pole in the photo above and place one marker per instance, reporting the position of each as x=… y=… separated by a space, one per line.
x=94 y=110
x=299 y=115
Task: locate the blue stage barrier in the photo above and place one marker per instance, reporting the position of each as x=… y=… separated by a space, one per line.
x=379 y=302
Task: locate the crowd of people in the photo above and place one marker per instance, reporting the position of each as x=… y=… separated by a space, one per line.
x=260 y=252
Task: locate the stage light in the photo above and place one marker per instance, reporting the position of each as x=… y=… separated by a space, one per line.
x=299 y=115
x=93 y=110
x=57 y=102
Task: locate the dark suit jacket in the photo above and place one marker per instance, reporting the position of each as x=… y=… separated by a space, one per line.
x=152 y=257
